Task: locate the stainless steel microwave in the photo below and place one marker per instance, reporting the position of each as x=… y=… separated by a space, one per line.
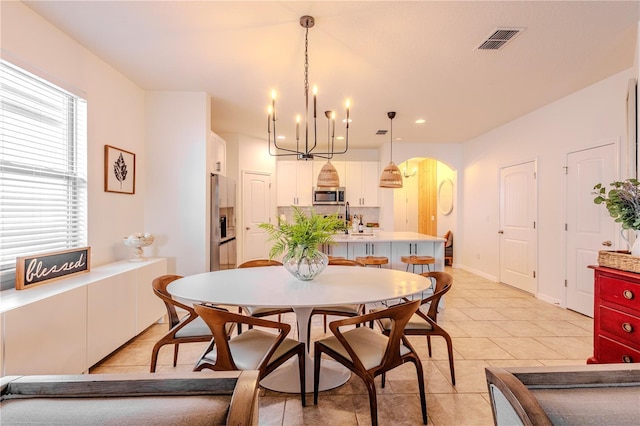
x=328 y=196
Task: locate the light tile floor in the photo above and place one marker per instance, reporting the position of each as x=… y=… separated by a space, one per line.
x=491 y=324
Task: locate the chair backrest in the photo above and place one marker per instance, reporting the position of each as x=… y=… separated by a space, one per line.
x=444 y=281
x=217 y=320
x=449 y=237
x=399 y=315
x=259 y=262
x=159 y=285
x=343 y=262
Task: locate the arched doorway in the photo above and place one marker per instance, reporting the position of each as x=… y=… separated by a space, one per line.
x=425 y=203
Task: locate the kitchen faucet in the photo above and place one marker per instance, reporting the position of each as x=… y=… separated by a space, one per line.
x=346 y=218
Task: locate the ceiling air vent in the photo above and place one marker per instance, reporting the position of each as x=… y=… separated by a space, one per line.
x=381 y=132
x=498 y=38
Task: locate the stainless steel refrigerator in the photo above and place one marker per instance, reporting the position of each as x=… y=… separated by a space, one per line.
x=223 y=223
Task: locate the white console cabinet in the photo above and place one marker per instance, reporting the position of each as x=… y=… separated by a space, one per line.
x=67 y=326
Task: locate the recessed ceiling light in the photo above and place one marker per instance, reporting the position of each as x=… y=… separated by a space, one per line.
x=421 y=121
x=340 y=138
x=398 y=139
x=281 y=137
x=344 y=120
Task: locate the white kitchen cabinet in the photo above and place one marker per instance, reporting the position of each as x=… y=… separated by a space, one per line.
x=294 y=183
x=218 y=153
x=340 y=168
x=335 y=250
x=363 y=249
x=361 y=183
x=399 y=249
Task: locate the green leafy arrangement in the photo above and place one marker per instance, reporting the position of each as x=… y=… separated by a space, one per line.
x=303 y=236
x=622 y=202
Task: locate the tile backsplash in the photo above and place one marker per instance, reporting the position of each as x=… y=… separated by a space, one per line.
x=369 y=214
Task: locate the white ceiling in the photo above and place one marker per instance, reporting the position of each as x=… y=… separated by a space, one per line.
x=416 y=57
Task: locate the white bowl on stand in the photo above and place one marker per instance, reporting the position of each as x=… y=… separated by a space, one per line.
x=136 y=244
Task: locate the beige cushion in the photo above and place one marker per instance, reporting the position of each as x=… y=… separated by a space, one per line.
x=260 y=310
x=351 y=309
x=142 y=410
x=415 y=323
x=249 y=348
x=197 y=327
x=369 y=346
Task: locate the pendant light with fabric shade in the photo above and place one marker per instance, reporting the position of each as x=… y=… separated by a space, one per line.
x=391 y=176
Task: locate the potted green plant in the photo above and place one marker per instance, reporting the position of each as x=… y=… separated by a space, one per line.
x=300 y=241
x=623 y=203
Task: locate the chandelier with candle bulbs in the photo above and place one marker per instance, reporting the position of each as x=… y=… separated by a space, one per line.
x=328 y=175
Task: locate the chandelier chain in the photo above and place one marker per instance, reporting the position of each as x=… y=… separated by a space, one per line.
x=306 y=63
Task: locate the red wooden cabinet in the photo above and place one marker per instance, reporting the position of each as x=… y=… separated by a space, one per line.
x=616 y=316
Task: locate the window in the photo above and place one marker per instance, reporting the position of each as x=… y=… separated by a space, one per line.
x=43 y=169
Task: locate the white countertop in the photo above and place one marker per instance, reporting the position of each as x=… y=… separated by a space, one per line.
x=387 y=237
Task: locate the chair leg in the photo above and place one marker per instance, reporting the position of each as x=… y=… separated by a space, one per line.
x=239 y=324
x=423 y=398
x=450 y=349
x=325 y=324
x=154 y=357
x=373 y=402
x=384 y=376
x=317 y=355
x=175 y=353
x=429 y=345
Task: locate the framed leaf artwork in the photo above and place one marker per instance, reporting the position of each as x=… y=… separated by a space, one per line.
x=119 y=170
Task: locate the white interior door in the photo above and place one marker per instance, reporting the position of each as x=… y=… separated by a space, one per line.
x=589 y=226
x=518 y=237
x=256 y=202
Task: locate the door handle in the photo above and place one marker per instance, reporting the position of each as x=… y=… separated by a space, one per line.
x=501 y=232
x=607 y=243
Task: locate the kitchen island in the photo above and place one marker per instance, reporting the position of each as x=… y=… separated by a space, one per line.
x=393 y=245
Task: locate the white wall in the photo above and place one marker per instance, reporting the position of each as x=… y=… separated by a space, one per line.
x=177 y=201
x=581 y=120
x=115 y=114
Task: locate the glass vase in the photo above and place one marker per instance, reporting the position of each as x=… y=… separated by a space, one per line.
x=305 y=263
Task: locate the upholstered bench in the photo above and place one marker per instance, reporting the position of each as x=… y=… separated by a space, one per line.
x=212 y=398
x=605 y=394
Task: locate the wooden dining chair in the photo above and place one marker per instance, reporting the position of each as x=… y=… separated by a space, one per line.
x=188 y=329
x=338 y=310
x=252 y=350
x=262 y=311
x=426 y=323
x=369 y=353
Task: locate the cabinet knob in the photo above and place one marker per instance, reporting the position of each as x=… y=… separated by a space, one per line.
x=628 y=294
x=627 y=359
x=607 y=243
x=627 y=327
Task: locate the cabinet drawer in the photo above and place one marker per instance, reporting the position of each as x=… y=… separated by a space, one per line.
x=613 y=352
x=622 y=326
x=621 y=292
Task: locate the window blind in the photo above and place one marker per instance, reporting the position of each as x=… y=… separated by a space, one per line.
x=43 y=169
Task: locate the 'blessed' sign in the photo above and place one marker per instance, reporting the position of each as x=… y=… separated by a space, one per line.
x=32 y=270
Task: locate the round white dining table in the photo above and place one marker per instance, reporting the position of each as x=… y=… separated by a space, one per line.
x=274 y=286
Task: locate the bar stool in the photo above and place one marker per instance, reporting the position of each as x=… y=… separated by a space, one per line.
x=373 y=261
x=418 y=260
